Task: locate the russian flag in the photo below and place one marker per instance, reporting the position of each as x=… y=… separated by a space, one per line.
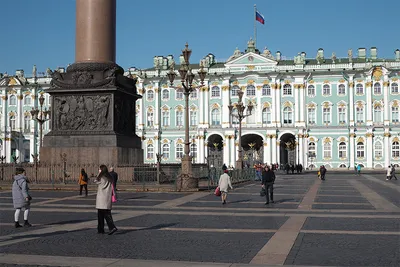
x=259 y=17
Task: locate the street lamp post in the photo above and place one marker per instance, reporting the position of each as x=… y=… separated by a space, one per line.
x=2 y=160
x=41 y=116
x=159 y=157
x=240 y=115
x=186 y=179
x=35 y=160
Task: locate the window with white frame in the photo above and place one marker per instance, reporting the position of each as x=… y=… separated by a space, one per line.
x=311 y=115
x=179 y=118
x=359 y=89
x=377 y=89
x=266 y=116
x=287 y=115
x=193 y=151
x=179 y=94
x=326 y=115
x=394 y=88
x=13 y=100
x=342 y=115
x=235 y=120
x=327 y=150
x=377 y=114
x=378 y=149
x=266 y=90
x=234 y=90
x=251 y=90
x=341 y=89
x=165 y=151
x=165 y=118
x=360 y=150
x=27 y=123
x=150 y=118
x=193 y=94
x=193 y=118
x=395 y=149
x=215 y=117
x=342 y=150
x=311 y=150
x=179 y=151
x=395 y=114
x=359 y=114
x=165 y=94
x=287 y=89
x=28 y=100
x=150 y=95
x=311 y=90
x=215 y=91
x=150 y=151
x=326 y=89
x=12 y=122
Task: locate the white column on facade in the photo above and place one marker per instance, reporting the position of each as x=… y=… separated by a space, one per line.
x=368 y=106
x=369 y=151
x=201 y=106
x=19 y=126
x=352 y=150
x=278 y=151
x=200 y=148
x=301 y=149
x=268 y=150
x=387 y=150
x=273 y=148
x=386 y=105
x=278 y=104
x=302 y=105
x=296 y=89
x=273 y=101
x=157 y=107
x=259 y=107
x=351 y=102
x=226 y=149
x=206 y=106
x=225 y=103
x=306 y=152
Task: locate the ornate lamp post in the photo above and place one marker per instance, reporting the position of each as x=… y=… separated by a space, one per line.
x=186 y=179
x=240 y=115
x=41 y=116
x=2 y=160
x=35 y=160
x=159 y=157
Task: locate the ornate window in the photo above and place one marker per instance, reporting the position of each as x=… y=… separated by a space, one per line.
x=12 y=122
x=287 y=115
x=179 y=94
x=266 y=89
x=193 y=151
x=165 y=118
x=179 y=151
x=395 y=149
x=341 y=89
x=360 y=150
x=342 y=150
x=377 y=89
x=359 y=114
x=150 y=95
x=13 y=100
x=394 y=88
x=215 y=117
x=251 y=90
x=342 y=115
x=165 y=94
x=165 y=151
x=359 y=89
x=378 y=150
x=150 y=118
x=287 y=89
x=193 y=94
x=377 y=114
x=395 y=114
x=311 y=116
x=193 y=118
x=326 y=89
x=27 y=123
x=235 y=120
x=311 y=90
x=179 y=118
x=28 y=100
x=266 y=116
x=327 y=150
x=150 y=151
x=326 y=115
x=215 y=92
x=311 y=150
x=235 y=89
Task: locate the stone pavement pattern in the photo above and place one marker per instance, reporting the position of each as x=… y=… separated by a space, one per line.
x=346 y=220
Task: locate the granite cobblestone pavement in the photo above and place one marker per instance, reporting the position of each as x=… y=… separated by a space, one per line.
x=347 y=220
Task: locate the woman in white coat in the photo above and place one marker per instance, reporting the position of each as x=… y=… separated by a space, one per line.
x=103 y=200
x=224 y=183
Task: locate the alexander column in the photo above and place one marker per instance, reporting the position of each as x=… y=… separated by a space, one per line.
x=93 y=103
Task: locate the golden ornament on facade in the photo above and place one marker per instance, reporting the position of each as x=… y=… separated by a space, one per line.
x=326 y=104
x=150 y=142
x=215 y=83
x=360 y=140
x=143 y=138
x=265 y=144
x=395 y=104
x=225 y=88
x=4 y=97
x=341 y=81
x=250 y=67
x=326 y=82
x=287 y=82
x=273 y=86
x=300 y=135
x=266 y=82
x=259 y=87
x=342 y=139
x=327 y=141
x=273 y=135
x=386 y=84
x=279 y=86
x=141 y=91
x=394 y=79
x=156 y=137
x=235 y=83
x=287 y=104
x=368 y=84
x=386 y=134
x=242 y=87
x=377 y=73
x=396 y=139
x=369 y=135
x=311 y=81
x=250 y=82
x=351 y=84
x=266 y=105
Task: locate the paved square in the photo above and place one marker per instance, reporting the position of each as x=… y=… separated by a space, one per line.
x=347 y=220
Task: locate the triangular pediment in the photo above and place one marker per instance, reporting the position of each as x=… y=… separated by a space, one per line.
x=10 y=81
x=251 y=59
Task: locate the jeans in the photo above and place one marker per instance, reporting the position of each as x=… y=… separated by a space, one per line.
x=81 y=187
x=269 y=188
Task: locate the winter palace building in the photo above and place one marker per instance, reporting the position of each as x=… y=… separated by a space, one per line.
x=330 y=111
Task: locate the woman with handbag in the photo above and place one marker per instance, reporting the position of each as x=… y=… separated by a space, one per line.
x=21 y=197
x=223 y=184
x=103 y=200
x=83 y=182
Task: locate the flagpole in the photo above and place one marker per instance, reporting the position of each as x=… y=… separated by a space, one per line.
x=255 y=26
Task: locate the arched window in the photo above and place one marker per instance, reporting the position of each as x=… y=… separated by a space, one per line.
x=28 y=100
x=13 y=100
x=326 y=114
x=287 y=89
x=150 y=118
x=235 y=89
x=377 y=89
x=193 y=94
x=266 y=89
x=165 y=118
x=394 y=88
x=12 y=122
x=150 y=151
x=360 y=150
x=359 y=89
x=342 y=150
x=377 y=114
x=378 y=150
x=287 y=115
x=179 y=94
x=215 y=117
x=266 y=116
x=327 y=150
x=165 y=151
x=311 y=90
x=215 y=92
x=193 y=117
x=251 y=90
x=342 y=114
x=341 y=89
x=193 y=151
x=179 y=151
x=311 y=116
x=311 y=150
x=235 y=120
x=150 y=95
x=395 y=149
x=27 y=123
x=165 y=94
x=179 y=117
x=395 y=114
x=326 y=89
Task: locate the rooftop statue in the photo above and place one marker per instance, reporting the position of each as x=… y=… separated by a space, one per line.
x=333 y=57
x=34 y=71
x=267 y=53
x=350 y=55
x=236 y=54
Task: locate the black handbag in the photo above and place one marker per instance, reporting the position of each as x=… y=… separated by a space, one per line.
x=262 y=192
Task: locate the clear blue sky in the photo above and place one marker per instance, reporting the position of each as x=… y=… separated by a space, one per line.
x=42 y=32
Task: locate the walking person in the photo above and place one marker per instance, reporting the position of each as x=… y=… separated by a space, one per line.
x=322 y=171
x=389 y=173
x=21 y=197
x=103 y=201
x=393 y=173
x=223 y=183
x=268 y=179
x=114 y=175
x=83 y=182
x=359 y=169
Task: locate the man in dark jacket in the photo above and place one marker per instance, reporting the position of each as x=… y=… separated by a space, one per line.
x=114 y=175
x=322 y=171
x=268 y=179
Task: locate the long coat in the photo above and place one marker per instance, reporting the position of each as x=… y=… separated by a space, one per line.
x=20 y=191
x=224 y=182
x=104 y=192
